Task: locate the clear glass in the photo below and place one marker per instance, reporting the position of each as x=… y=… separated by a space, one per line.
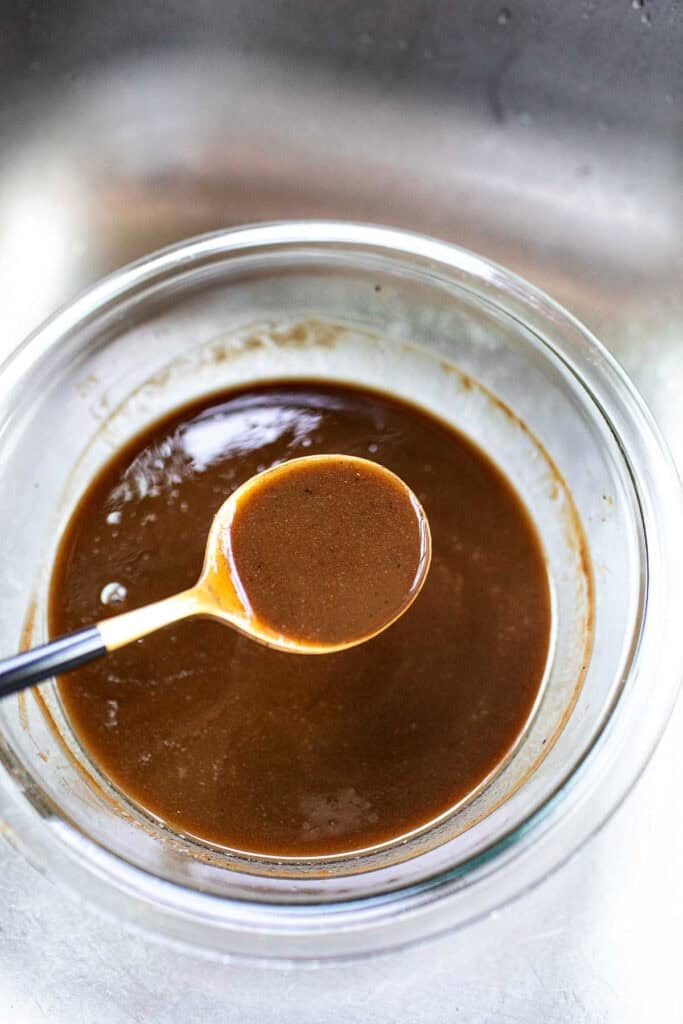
x=491 y=355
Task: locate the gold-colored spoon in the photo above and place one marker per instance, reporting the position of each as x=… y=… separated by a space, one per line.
x=312 y=556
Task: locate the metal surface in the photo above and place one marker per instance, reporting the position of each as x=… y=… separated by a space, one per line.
x=544 y=135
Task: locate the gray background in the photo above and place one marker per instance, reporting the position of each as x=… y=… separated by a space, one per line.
x=545 y=135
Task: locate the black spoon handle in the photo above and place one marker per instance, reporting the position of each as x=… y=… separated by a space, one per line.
x=22 y=670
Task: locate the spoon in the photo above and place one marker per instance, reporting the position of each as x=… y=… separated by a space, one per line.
x=312 y=556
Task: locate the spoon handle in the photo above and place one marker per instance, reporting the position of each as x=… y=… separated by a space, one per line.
x=68 y=652
x=62 y=655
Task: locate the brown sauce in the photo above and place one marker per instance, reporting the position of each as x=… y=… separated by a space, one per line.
x=294 y=755
x=326 y=550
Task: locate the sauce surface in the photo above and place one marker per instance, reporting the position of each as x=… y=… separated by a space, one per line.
x=293 y=755
x=326 y=550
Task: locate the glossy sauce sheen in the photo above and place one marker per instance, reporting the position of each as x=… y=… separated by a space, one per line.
x=295 y=755
x=326 y=550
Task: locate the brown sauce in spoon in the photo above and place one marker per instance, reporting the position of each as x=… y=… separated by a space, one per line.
x=326 y=550
x=295 y=755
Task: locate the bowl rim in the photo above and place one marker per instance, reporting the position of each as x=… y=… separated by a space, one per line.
x=566 y=819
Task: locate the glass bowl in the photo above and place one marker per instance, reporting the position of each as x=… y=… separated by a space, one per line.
x=486 y=352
